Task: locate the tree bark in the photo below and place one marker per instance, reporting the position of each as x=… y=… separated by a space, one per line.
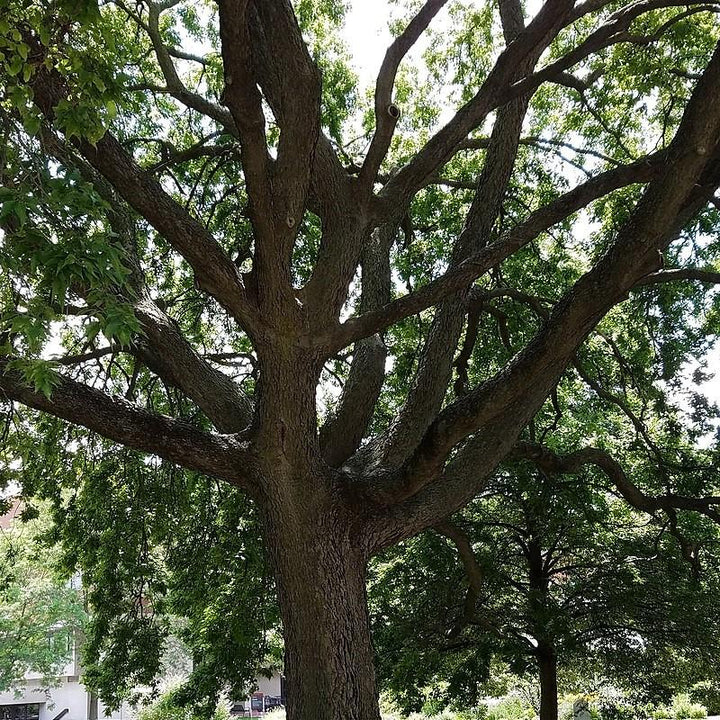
x=547 y=666
x=320 y=570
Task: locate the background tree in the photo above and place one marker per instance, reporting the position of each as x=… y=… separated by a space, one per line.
x=551 y=576
x=41 y=610
x=200 y=208
x=163 y=554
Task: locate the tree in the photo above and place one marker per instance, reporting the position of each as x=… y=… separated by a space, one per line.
x=204 y=208
x=40 y=610
x=549 y=576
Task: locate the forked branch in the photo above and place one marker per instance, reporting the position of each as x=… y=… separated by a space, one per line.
x=572 y=463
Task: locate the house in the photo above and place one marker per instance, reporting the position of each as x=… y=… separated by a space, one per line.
x=270 y=694
x=69 y=700
x=66 y=700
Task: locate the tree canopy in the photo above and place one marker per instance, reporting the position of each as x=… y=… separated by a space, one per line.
x=553 y=578
x=258 y=320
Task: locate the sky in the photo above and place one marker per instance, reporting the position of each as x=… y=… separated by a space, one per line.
x=367 y=37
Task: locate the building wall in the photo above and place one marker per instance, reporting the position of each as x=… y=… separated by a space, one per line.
x=70 y=693
x=269 y=686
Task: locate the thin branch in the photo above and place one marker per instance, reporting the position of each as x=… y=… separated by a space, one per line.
x=495 y=91
x=466 y=272
x=711 y=277
x=214 y=270
x=573 y=462
x=386 y=112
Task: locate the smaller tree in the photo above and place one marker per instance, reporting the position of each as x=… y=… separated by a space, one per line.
x=164 y=556
x=558 y=574
x=41 y=610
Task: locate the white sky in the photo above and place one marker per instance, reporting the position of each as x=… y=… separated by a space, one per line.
x=367 y=36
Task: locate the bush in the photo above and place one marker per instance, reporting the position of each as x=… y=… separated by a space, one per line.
x=614 y=704
x=167 y=708
x=567 y=703
x=706 y=693
x=511 y=708
x=682 y=707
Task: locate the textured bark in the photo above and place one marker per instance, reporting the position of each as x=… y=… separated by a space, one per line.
x=320 y=568
x=545 y=654
x=323 y=523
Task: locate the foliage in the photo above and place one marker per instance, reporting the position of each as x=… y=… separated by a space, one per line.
x=166 y=707
x=152 y=567
x=611 y=594
x=683 y=707
x=706 y=693
x=41 y=608
x=185 y=279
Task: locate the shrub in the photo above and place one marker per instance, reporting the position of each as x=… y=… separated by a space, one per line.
x=167 y=708
x=567 y=703
x=278 y=714
x=614 y=704
x=511 y=708
x=706 y=693
x=682 y=707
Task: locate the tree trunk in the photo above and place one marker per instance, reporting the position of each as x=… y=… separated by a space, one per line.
x=321 y=573
x=547 y=665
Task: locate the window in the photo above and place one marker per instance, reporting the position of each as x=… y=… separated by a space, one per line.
x=20 y=712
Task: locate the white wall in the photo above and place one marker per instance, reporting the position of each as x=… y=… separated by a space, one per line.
x=269 y=686
x=69 y=695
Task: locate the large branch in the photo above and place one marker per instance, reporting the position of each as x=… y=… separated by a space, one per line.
x=222 y=456
x=476 y=265
x=298 y=105
x=501 y=407
x=274 y=224
x=307 y=170
x=572 y=463
x=214 y=270
x=167 y=352
x=387 y=113
x=290 y=82
x=343 y=432
x=431 y=381
x=162 y=345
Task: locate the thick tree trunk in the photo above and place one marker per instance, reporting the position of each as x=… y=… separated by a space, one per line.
x=547 y=665
x=321 y=573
